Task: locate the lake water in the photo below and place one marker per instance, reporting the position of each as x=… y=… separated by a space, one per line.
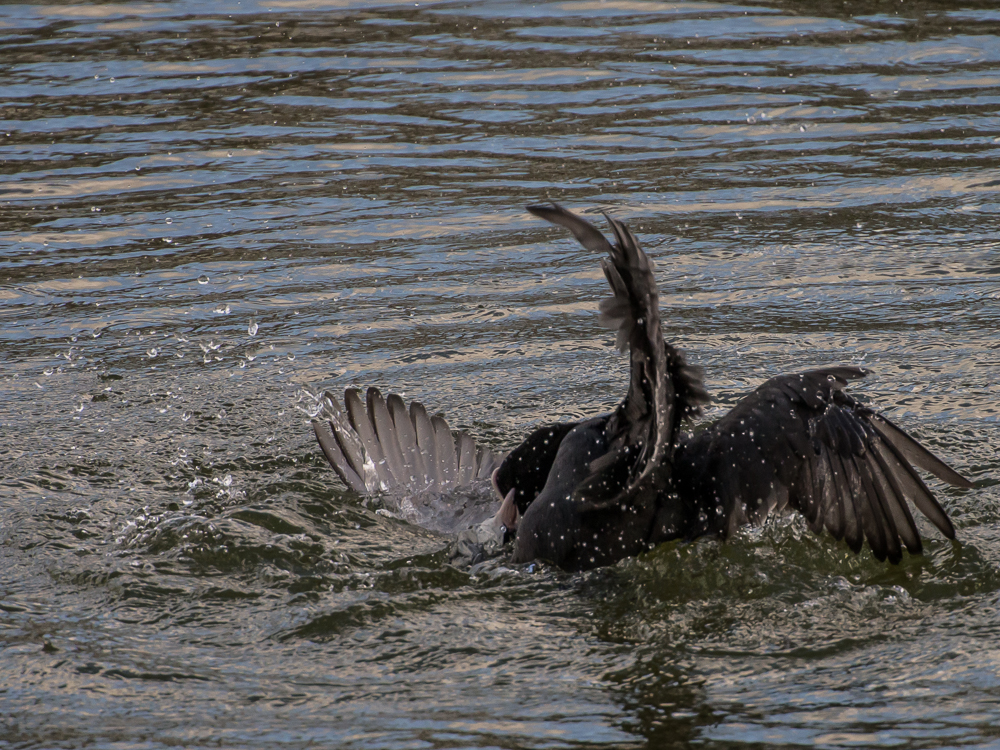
x=206 y=206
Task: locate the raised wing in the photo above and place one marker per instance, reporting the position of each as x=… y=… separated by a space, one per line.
x=642 y=431
x=800 y=441
x=378 y=445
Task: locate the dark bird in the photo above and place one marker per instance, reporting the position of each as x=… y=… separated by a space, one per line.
x=590 y=493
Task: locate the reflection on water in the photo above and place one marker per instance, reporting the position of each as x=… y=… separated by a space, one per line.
x=206 y=206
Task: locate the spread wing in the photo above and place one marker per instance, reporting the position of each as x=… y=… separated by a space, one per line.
x=642 y=431
x=378 y=445
x=801 y=441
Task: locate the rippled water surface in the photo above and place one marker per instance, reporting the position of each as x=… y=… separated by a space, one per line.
x=206 y=206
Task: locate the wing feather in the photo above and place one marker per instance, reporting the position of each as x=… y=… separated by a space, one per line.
x=444 y=445
x=365 y=430
x=427 y=443
x=414 y=466
x=389 y=448
x=379 y=415
x=840 y=464
x=336 y=457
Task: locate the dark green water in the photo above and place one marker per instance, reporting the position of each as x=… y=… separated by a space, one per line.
x=178 y=564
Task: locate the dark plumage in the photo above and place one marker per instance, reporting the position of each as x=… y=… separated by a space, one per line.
x=602 y=489
x=591 y=493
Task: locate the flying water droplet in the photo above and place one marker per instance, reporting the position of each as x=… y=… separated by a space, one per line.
x=203 y=279
x=153 y=352
x=252 y=327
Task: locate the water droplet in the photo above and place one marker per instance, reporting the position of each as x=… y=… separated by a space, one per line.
x=222 y=310
x=229 y=154
x=222 y=413
x=169 y=220
x=185 y=416
x=203 y=279
x=112 y=79
x=291 y=357
x=47 y=371
x=252 y=328
x=94 y=208
x=168 y=240
x=153 y=352
x=802 y=128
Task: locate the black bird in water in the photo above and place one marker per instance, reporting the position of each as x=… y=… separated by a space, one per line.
x=590 y=493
